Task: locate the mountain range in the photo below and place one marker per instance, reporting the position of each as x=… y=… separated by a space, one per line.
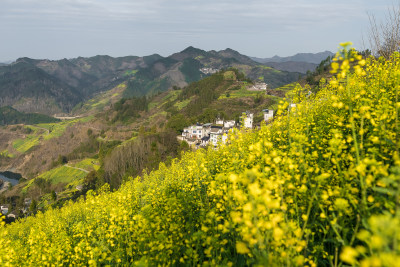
x=301 y=62
x=315 y=58
x=57 y=86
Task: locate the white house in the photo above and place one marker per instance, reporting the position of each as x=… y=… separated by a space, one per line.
x=216 y=134
x=4 y=210
x=194 y=131
x=219 y=121
x=268 y=114
x=229 y=124
x=248 y=120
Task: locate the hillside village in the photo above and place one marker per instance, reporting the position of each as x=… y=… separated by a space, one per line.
x=202 y=135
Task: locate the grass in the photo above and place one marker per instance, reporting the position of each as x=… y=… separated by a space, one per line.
x=53 y=130
x=23 y=145
x=69 y=174
x=266 y=67
x=162 y=113
x=88 y=164
x=63 y=174
x=180 y=105
x=100 y=101
x=173 y=95
x=242 y=92
x=229 y=75
x=287 y=87
x=153 y=104
x=269 y=68
x=7 y=154
x=130 y=72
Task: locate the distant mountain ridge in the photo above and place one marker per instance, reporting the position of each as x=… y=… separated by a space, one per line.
x=179 y=69
x=301 y=62
x=292 y=66
x=56 y=86
x=315 y=58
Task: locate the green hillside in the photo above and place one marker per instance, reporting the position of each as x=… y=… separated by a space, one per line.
x=57 y=86
x=8 y=115
x=224 y=94
x=317 y=187
x=61 y=86
x=180 y=69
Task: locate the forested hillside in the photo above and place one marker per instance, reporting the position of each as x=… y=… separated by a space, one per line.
x=318 y=187
x=9 y=115
x=180 y=69
x=58 y=86
x=28 y=88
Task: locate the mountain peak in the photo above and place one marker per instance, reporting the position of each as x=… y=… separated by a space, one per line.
x=230 y=50
x=188 y=52
x=230 y=53
x=192 y=50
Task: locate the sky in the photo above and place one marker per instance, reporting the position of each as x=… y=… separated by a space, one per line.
x=56 y=29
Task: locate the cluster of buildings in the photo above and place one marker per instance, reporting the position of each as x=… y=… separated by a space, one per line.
x=258 y=86
x=202 y=135
x=209 y=70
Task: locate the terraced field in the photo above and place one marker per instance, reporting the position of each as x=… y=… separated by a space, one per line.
x=45 y=131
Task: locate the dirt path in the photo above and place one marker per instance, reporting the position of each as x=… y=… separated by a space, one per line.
x=66 y=165
x=66 y=118
x=34 y=126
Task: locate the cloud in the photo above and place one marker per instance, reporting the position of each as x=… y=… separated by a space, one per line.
x=172 y=12
x=135 y=22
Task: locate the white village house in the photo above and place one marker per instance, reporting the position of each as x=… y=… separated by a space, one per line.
x=229 y=124
x=193 y=131
x=247 y=119
x=4 y=209
x=268 y=114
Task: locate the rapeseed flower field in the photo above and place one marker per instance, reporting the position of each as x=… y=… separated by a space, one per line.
x=317 y=187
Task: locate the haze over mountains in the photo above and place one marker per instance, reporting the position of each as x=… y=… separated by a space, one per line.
x=57 y=86
x=301 y=62
x=315 y=58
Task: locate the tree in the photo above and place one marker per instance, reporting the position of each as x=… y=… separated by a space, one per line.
x=177 y=122
x=384 y=37
x=33 y=205
x=53 y=195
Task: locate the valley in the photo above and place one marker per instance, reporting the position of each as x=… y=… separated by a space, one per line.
x=146 y=99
